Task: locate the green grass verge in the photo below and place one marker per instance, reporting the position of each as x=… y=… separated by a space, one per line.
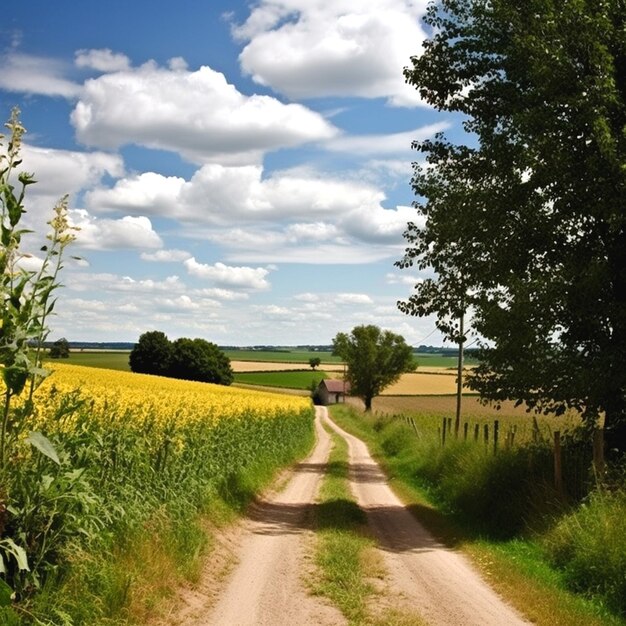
x=288 y=380
x=344 y=552
x=116 y=360
x=518 y=568
x=342 y=540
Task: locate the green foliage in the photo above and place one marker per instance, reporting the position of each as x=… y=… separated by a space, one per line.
x=281 y=356
x=27 y=299
x=187 y=359
x=589 y=546
x=500 y=495
x=527 y=223
x=375 y=359
x=198 y=359
x=114 y=360
x=60 y=349
x=314 y=362
x=152 y=354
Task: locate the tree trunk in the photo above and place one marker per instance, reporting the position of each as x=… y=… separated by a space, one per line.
x=368 y=403
x=615 y=434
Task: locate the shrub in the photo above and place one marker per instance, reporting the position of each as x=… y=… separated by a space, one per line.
x=589 y=546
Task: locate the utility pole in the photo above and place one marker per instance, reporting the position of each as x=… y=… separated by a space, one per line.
x=459 y=379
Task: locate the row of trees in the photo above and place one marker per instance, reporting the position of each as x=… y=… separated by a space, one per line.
x=188 y=359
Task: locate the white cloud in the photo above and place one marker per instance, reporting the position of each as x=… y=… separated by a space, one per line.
x=24 y=73
x=61 y=172
x=222 y=195
x=58 y=172
x=317 y=231
x=321 y=254
x=111 y=234
x=106 y=282
x=142 y=192
x=196 y=113
x=293 y=215
x=316 y=48
x=275 y=311
x=181 y=303
x=228 y=276
x=379 y=224
x=166 y=256
x=103 y=60
x=391 y=143
x=307 y=297
x=222 y=294
x=403 y=279
x=353 y=298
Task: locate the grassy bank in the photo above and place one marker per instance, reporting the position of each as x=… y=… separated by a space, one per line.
x=342 y=542
x=487 y=505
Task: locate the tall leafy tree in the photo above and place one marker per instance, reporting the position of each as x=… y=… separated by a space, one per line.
x=530 y=214
x=201 y=360
x=152 y=354
x=375 y=359
x=60 y=349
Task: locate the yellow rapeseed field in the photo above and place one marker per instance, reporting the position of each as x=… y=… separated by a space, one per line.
x=157 y=399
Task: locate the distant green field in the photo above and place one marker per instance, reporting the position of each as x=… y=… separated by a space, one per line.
x=106 y=360
x=288 y=380
x=438 y=360
x=295 y=356
x=118 y=360
x=281 y=356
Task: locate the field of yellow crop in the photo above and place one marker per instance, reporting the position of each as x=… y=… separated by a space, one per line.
x=157 y=399
x=101 y=455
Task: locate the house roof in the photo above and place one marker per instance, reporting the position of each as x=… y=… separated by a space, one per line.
x=336 y=386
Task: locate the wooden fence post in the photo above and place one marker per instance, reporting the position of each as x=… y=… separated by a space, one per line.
x=486 y=434
x=443 y=431
x=465 y=427
x=598 y=453
x=496 y=430
x=558 y=466
x=476 y=431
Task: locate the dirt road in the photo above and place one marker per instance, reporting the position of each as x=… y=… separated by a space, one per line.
x=267 y=586
x=434 y=581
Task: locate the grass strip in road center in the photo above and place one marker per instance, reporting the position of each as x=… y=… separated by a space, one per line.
x=344 y=551
x=342 y=543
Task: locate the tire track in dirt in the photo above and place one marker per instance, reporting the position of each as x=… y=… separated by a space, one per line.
x=431 y=579
x=266 y=587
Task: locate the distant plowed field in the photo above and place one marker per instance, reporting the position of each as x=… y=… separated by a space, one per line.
x=418 y=384
x=430 y=381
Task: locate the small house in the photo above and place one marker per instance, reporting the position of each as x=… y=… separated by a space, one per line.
x=331 y=391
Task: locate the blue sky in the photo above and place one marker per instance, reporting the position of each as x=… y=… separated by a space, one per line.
x=239 y=171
